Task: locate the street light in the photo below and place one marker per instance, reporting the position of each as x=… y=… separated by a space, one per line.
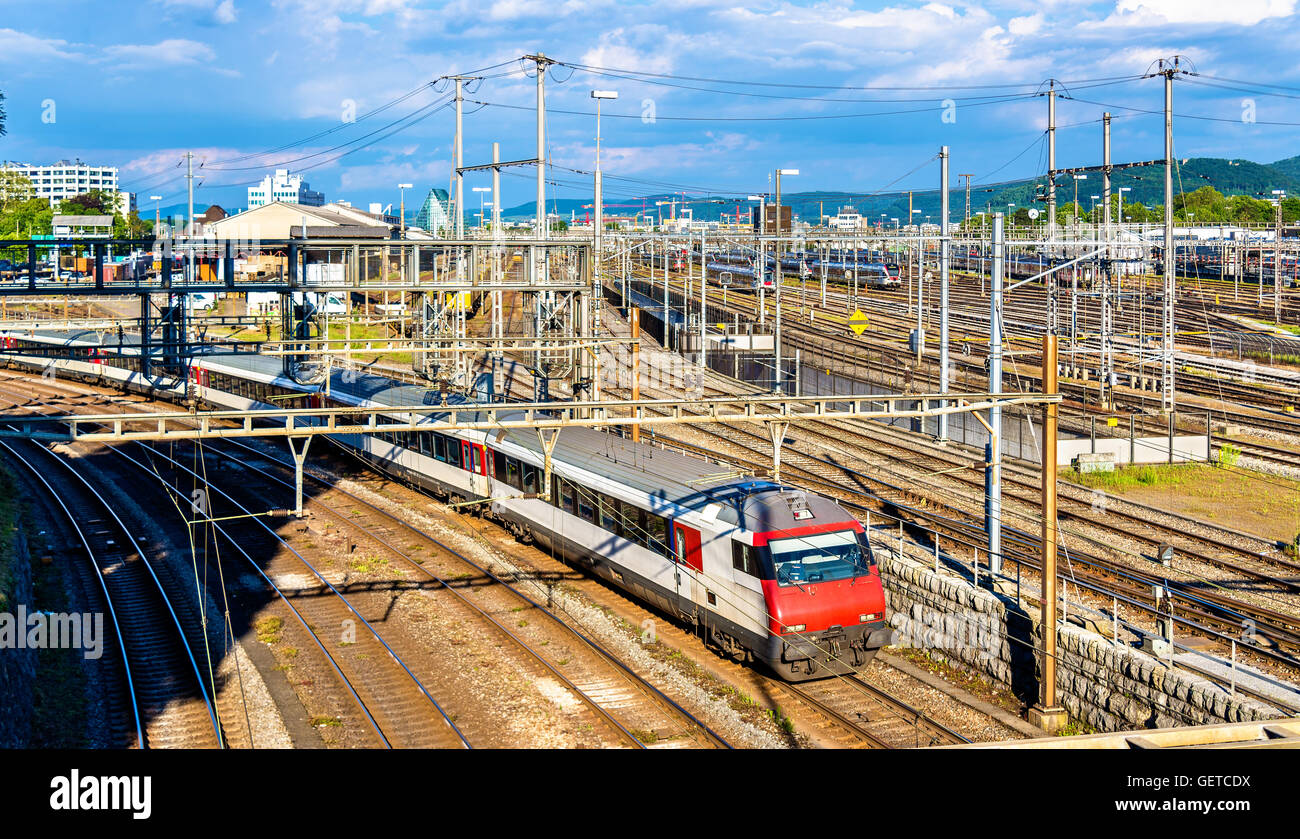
x=599 y=95
x=779 y=173
x=480 y=190
x=1121 y=191
x=156 y=218
x=402 y=188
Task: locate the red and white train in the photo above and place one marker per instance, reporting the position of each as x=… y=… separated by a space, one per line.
x=763 y=571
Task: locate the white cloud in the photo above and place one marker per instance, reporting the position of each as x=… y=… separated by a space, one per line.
x=223 y=11
x=1027 y=25
x=173 y=51
x=20 y=45
x=1242 y=12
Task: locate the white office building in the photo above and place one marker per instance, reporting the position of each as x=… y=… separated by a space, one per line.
x=57 y=181
x=285 y=188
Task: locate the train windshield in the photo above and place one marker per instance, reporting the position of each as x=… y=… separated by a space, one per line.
x=819 y=558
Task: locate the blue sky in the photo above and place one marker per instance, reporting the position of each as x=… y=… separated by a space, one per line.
x=136 y=84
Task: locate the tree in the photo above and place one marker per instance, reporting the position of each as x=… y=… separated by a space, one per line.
x=96 y=202
x=14 y=187
x=131 y=226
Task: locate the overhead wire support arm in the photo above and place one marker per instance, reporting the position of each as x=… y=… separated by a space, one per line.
x=532 y=161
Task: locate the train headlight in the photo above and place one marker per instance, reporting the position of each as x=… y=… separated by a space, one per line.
x=798 y=627
x=868 y=617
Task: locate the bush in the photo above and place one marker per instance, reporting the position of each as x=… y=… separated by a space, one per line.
x=1229 y=455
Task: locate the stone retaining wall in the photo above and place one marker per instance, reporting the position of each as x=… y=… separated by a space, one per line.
x=17 y=666
x=1108 y=687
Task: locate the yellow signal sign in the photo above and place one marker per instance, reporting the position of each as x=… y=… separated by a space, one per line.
x=858 y=322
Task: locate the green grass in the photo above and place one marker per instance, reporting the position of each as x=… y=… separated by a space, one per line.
x=1287 y=327
x=1074 y=728
x=1132 y=477
x=268 y=630
x=644 y=735
x=1273 y=358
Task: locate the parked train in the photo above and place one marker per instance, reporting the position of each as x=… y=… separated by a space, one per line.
x=762 y=571
x=1207 y=262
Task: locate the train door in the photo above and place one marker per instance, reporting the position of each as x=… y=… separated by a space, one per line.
x=686 y=553
x=473 y=459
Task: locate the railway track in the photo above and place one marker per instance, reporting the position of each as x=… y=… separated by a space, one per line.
x=889 y=334
x=389 y=706
x=1204 y=612
x=615 y=692
x=612 y=691
x=872 y=715
x=162 y=698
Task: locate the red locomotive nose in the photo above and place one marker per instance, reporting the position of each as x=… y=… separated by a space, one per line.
x=816 y=607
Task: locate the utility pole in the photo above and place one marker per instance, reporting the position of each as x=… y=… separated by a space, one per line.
x=189 y=228
x=597 y=282
x=1277 y=261
x=943 y=282
x=965 y=226
x=1167 y=69
x=498 y=309
x=460 y=162
x=1107 y=266
x=776 y=271
x=496 y=192
x=1047 y=714
x=542 y=63
x=1052 y=302
x=993 y=452
x=1051 y=160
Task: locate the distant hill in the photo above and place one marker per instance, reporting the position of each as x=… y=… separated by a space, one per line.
x=1230 y=177
x=171 y=210
x=1290 y=166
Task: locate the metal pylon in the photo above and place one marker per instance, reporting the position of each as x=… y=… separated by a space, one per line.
x=442 y=317
x=302 y=320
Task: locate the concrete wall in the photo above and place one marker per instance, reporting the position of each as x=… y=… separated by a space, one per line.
x=1194 y=447
x=1109 y=687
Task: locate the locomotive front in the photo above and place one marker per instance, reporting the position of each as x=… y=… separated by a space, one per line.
x=821 y=587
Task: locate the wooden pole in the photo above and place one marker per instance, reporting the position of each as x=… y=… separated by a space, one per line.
x=1047 y=713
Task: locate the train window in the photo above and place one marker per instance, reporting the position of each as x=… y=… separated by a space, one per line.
x=657 y=527
x=500 y=466
x=426 y=443
x=634 y=524
x=514 y=475
x=586 y=503
x=565 y=495
x=609 y=518
x=439 y=446
x=453 y=452
x=744 y=558
x=531 y=478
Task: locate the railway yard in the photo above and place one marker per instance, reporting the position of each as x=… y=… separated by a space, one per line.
x=345 y=594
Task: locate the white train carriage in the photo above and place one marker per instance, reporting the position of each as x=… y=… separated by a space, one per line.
x=770 y=572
